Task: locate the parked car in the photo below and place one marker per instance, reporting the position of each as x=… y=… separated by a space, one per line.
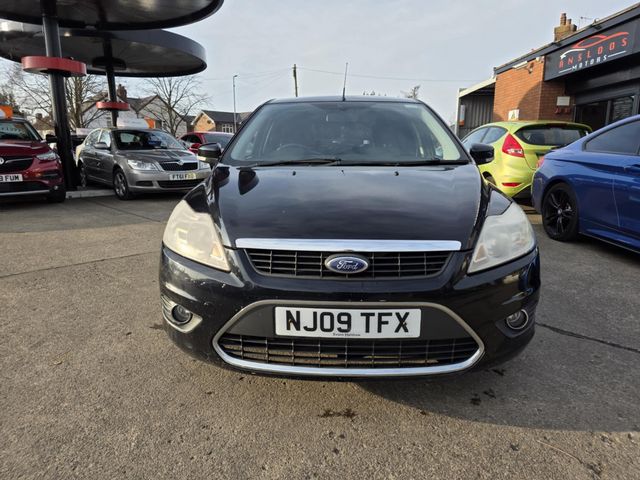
x=27 y=165
x=138 y=161
x=193 y=140
x=592 y=187
x=518 y=146
x=348 y=237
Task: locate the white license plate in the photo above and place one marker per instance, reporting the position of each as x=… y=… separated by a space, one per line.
x=182 y=176
x=336 y=322
x=11 y=177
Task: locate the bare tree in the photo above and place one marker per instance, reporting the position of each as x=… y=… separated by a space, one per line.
x=373 y=94
x=413 y=93
x=179 y=98
x=31 y=93
x=82 y=93
x=7 y=98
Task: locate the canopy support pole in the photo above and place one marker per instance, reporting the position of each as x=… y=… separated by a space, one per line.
x=59 y=101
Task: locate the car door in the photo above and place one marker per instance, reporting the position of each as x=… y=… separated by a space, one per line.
x=105 y=158
x=87 y=155
x=604 y=183
x=626 y=186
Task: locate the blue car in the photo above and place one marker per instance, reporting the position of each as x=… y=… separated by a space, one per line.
x=592 y=187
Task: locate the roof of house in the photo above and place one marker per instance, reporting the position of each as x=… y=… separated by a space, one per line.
x=136 y=104
x=220 y=117
x=597 y=25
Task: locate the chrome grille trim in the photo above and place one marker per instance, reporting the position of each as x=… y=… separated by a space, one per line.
x=382 y=265
x=337 y=245
x=347 y=372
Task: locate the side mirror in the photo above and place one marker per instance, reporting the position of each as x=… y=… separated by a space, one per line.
x=100 y=146
x=210 y=153
x=194 y=147
x=49 y=138
x=481 y=153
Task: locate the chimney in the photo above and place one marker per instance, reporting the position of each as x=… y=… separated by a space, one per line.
x=565 y=29
x=121 y=92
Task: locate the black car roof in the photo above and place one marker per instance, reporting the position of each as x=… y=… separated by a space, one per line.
x=349 y=98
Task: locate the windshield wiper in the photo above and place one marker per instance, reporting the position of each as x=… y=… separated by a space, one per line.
x=297 y=161
x=433 y=161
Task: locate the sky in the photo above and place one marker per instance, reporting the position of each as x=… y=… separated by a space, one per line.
x=439 y=45
x=390 y=45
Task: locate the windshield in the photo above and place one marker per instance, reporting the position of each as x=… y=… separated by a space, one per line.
x=548 y=135
x=351 y=132
x=14 y=130
x=145 y=140
x=223 y=140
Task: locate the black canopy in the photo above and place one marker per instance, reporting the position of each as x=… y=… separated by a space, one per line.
x=112 y=14
x=149 y=53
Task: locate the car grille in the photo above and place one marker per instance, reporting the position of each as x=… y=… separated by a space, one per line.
x=176 y=167
x=19 y=187
x=15 y=164
x=179 y=183
x=381 y=265
x=348 y=353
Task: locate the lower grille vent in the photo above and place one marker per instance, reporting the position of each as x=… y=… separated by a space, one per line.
x=348 y=353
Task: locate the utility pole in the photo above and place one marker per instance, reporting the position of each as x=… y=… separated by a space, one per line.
x=344 y=86
x=295 y=78
x=235 y=121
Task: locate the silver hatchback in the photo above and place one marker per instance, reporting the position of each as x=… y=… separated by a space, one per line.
x=135 y=160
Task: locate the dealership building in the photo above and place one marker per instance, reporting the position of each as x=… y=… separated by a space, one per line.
x=591 y=75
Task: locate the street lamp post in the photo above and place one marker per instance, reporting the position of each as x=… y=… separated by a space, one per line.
x=235 y=122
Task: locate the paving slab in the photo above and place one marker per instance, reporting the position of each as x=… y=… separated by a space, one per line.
x=92 y=388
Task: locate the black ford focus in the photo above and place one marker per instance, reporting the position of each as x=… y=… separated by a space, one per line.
x=348 y=237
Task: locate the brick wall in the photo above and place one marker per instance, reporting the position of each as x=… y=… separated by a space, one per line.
x=204 y=124
x=524 y=89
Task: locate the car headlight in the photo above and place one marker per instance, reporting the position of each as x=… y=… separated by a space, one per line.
x=503 y=238
x=49 y=156
x=141 y=165
x=193 y=235
x=204 y=166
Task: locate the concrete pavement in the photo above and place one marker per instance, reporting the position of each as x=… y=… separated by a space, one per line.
x=92 y=388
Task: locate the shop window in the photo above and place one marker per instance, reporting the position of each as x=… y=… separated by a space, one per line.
x=599 y=114
x=621 y=107
x=593 y=114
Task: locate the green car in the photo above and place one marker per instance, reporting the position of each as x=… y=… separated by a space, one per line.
x=518 y=148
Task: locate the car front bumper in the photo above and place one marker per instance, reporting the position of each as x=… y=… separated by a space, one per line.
x=44 y=183
x=244 y=299
x=155 y=181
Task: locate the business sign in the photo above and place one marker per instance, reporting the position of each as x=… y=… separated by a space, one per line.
x=594 y=50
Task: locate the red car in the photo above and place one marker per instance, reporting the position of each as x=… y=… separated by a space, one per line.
x=27 y=165
x=193 y=140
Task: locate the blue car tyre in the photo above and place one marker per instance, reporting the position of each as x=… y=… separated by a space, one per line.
x=560 y=213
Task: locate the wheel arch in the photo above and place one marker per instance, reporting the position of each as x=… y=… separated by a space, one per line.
x=558 y=181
